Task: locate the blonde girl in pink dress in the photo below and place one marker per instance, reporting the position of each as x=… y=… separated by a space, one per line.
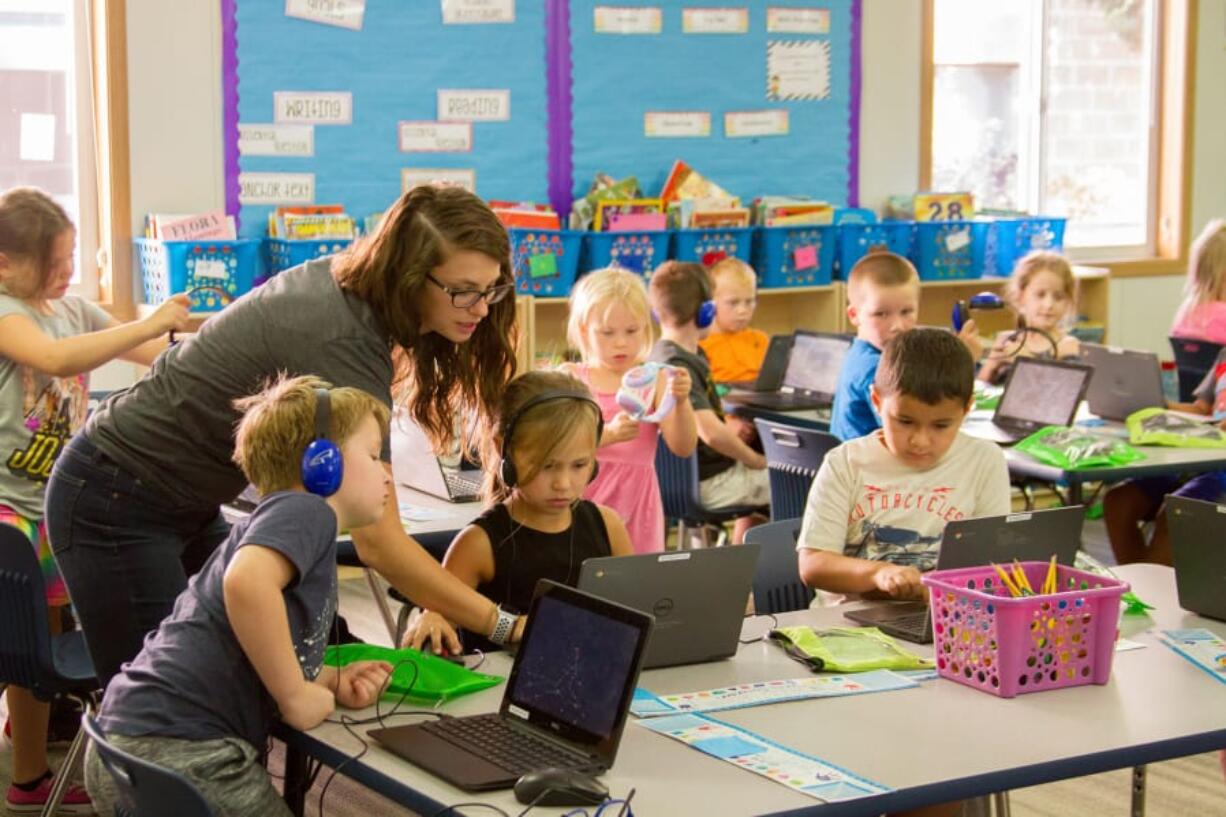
x=610 y=325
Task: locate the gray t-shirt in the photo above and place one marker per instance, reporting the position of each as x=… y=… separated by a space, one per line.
x=38 y=412
x=174 y=428
x=192 y=679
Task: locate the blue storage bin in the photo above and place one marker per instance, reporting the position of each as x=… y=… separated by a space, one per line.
x=545 y=261
x=1014 y=237
x=855 y=241
x=283 y=253
x=639 y=252
x=800 y=256
x=854 y=215
x=950 y=250
x=213 y=272
x=708 y=246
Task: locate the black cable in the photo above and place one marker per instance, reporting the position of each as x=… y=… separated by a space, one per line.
x=765 y=635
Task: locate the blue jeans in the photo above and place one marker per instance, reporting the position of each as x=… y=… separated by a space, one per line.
x=125 y=551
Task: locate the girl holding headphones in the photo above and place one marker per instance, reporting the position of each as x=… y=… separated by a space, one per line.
x=425 y=304
x=539 y=526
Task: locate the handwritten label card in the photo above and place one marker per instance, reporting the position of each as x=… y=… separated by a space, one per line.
x=276 y=188
x=212 y=268
x=436 y=137
x=411 y=177
x=628 y=20
x=738 y=124
x=313 y=107
x=797 y=21
x=676 y=123
x=341 y=13
x=489 y=105
x=715 y=20
x=276 y=140
x=798 y=69
x=213 y=224
x=461 y=12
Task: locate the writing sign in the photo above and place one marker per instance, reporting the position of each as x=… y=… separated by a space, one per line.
x=276 y=140
x=676 y=123
x=457 y=105
x=756 y=123
x=341 y=13
x=276 y=188
x=459 y=12
x=436 y=137
x=411 y=177
x=715 y=20
x=313 y=107
x=627 y=20
x=798 y=20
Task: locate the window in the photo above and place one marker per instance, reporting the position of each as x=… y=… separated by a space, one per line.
x=46 y=121
x=1050 y=106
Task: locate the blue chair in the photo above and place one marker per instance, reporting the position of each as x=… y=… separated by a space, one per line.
x=30 y=657
x=143 y=789
x=793 y=455
x=777 y=587
x=679 y=492
x=1193 y=360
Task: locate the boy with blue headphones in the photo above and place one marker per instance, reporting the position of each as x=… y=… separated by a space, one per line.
x=729 y=471
x=245 y=642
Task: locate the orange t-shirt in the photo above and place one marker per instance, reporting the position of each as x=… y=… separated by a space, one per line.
x=735 y=356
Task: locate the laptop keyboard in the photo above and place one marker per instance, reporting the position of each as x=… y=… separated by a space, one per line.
x=491 y=738
x=461 y=484
x=911 y=622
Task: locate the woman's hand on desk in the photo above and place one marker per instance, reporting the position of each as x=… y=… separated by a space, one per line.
x=429 y=628
x=899 y=582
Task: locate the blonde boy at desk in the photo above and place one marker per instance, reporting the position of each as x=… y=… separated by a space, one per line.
x=735 y=348
x=879 y=503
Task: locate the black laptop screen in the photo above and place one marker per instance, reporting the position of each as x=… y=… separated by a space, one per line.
x=1041 y=393
x=815 y=363
x=575 y=667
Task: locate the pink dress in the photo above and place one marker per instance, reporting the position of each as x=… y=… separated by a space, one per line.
x=1203 y=322
x=627 y=480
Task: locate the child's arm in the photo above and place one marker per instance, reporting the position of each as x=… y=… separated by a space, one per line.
x=355 y=685
x=22 y=341
x=715 y=433
x=996 y=358
x=1068 y=346
x=469 y=558
x=252 y=591
x=836 y=573
x=680 y=427
x=619 y=537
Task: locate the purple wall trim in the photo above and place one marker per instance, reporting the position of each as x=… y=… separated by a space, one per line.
x=229 y=104
x=558 y=100
x=853 y=148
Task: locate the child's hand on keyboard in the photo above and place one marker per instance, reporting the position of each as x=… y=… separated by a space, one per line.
x=899 y=582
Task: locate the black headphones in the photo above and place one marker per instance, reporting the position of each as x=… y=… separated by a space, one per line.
x=507 y=468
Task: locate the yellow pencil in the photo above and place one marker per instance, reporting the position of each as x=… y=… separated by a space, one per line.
x=1049 y=584
x=1004 y=577
x=1019 y=577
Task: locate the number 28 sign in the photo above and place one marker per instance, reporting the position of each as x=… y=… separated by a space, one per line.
x=943 y=206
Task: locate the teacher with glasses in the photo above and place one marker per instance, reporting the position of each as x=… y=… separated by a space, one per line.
x=425 y=307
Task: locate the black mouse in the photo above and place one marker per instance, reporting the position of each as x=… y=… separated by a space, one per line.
x=560 y=787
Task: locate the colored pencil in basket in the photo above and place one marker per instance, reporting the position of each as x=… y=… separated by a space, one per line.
x=1004 y=577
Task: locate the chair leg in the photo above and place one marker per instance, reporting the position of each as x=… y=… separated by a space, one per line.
x=683 y=542
x=1000 y=804
x=385 y=609
x=68 y=770
x=1138 y=791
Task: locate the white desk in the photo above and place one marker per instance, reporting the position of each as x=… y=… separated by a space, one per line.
x=939 y=742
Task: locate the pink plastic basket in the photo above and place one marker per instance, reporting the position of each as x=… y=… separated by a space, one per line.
x=986 y=639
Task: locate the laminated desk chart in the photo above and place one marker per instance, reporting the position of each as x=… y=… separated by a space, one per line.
x=647 y=704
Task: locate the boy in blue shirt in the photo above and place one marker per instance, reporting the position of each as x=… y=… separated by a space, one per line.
x=245 y=641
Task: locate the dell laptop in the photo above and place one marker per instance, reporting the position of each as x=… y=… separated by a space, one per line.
x=1028 y=537
x=1038 y=393
x=811 y=377
x=1124 y=380
x=415 y=465
x=1198 y=539
x=698 y=598
x=774 y=364
x=564 y=706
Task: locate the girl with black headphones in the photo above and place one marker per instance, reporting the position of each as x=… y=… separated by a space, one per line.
x=539 y=526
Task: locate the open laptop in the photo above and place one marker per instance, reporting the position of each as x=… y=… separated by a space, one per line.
x=1124 y=380
x=1198 y=531
x=564 y=706
x=811 y=377
x=1028 y=537
x=697 y=597
x=1038 y=393
x=774 y=364
x=415 y=464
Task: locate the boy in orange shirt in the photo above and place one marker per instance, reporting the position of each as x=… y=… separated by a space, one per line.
x=736 y=350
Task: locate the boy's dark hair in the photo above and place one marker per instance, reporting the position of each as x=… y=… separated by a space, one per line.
x=676 y=291
x=928 y=364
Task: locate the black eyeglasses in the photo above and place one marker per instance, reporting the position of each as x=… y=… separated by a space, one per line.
x=465 y=298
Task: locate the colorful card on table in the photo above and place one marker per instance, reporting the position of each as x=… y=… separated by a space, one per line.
x=808 y=775
x=1203 y=648
x=647 y=704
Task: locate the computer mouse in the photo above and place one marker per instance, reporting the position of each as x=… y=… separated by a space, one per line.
x=560 y=787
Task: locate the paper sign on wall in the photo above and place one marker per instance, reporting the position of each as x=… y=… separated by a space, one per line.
x=436 y=137
x=411 y=177
x=755 y=123
x=486 y=105
x=715 y=20
x=460 y=12
x=276 y=140
x=627 y=20
x=342 y=13
x=313 y=107
x=797 y=21
x=665 y=124
x=276 y=188
x=798 y=69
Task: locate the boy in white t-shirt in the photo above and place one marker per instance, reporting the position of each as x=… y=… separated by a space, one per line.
x=879 y=504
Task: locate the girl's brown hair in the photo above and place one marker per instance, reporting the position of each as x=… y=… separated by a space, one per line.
x=30 y=222
x=1034 y=262
x=388 y=270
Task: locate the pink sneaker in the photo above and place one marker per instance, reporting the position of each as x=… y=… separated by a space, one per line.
x=76 y=800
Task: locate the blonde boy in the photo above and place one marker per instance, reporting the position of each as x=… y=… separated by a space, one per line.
x=879 y=503
x=735 y=349
x=245 y=642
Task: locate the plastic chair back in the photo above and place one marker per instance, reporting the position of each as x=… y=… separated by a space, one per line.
x=143 y=789
x=793 y=455
x=1193 y=360
x=25 y=633
x=678 y=478
x=777 y=587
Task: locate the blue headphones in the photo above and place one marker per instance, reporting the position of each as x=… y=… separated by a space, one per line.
x=705 y=316
x=322 y=466
x=507 y=470
x=962 y=309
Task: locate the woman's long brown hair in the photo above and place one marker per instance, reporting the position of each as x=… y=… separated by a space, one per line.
x=435 y=376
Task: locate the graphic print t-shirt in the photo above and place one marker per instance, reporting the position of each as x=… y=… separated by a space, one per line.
x=38 y=412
